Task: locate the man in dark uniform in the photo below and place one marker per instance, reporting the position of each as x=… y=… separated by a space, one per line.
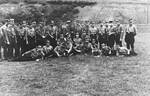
x=40 y=34
x=17 y=47
x=50 y=35
x=31 y=36
x=23 y=42
x=87 y=47
x=64 y=28
x=130 y=37
x=5 y=41
x=95 y=48
x=93 y=32
x=111 y=36
x=1 y=40
x=118 y=35
x=105 y=35
x=12 y=40
x=19 y=39
x=77 y=44
x=101 y=32
x=60 y=49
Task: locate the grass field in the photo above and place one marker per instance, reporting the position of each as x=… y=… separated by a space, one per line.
x=80 y=75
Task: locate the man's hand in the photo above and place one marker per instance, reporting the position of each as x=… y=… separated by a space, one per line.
x=134 y=33
x=8 y=43
x=43 y=36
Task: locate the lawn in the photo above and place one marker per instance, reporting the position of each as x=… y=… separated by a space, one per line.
x=80 y=75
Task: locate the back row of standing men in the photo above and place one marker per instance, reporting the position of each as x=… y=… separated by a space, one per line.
x=18 y=39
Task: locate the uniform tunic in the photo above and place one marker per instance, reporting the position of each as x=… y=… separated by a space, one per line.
x=119 y=35
x=93 y=31
x=31 y=38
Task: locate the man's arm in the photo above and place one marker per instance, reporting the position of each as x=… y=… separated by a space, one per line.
x=55 y=50
x=135 y=30
x=71 y=45
x=28 y=52
x=5 y=35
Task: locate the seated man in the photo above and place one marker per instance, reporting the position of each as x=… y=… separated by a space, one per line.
x=77 y=43
x=87 y=47
x=69 y=46
x=48 y=49
x=95 y=48
x=105 y=50
x=123 y=51
x=60 y=49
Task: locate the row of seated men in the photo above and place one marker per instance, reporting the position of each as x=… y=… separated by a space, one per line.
x=66 y=47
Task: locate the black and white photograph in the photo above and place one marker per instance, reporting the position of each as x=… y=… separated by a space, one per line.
x=74 y=47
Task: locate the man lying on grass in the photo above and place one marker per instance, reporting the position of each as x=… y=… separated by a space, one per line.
x=120 y=51
x=38 y=53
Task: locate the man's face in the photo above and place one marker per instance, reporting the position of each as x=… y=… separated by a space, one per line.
x=33 y=24
x=93 y=41
x=40 y=25
x=77 y=35
x=61 y=36
x=12 y=22
x=48 y=43
x=84 y=33
x=24 y=23
x=111 y=26
x=103 y=45
x=87 y=41
x=130 y=23
x=118 y=23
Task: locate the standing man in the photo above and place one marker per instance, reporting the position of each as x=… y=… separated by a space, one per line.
x=5 y=41
x=93 y=32
x=111 y=37
x=40 y=34
x=130 y=37
x=119 y=34
x=23 y=37
x=31 y=36
x=105 y=35
x=100 y=35
x=1 y=39
x=11 y=39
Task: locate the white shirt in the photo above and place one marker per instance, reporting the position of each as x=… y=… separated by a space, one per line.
x=131 y=29
x=4 y=27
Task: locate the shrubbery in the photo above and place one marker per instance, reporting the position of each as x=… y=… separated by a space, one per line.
x=47 y=12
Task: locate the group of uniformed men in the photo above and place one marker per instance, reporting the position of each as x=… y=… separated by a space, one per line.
x=39 y=40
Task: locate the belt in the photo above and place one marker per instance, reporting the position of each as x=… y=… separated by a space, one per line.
x=12 y=36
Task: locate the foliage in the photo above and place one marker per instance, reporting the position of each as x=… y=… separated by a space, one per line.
x=46 y=12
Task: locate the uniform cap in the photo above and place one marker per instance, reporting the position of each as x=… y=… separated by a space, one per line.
x=68 y=21
x=47 y=41
x=34 y=22
x=130 y=20
x=117 y=20
x=11 y=19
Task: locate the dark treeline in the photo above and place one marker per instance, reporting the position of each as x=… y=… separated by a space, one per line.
x=50 y=10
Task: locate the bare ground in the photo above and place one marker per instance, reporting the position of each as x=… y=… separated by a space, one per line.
x=80 y=75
